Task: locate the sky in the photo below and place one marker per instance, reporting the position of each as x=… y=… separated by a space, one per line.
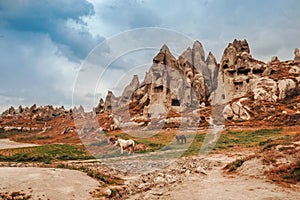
x=44 y=44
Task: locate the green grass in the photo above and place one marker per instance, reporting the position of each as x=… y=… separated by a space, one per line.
x=155 y=142
x=269 y=143
x=232 y=139
x=194 y=148
x=226 y=141
x=45 y=153
x=4 y=134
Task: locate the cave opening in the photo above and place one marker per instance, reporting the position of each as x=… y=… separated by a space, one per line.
x=225 y=66
x=158 y=89
x=175 y=102
x=243 y=71
x=257 y=71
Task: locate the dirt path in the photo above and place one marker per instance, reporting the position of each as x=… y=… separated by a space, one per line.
x=8 y=144
x=177 y=179
x=216 y=186
x=47 y=183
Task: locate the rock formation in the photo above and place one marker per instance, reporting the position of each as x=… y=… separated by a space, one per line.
x=191 y=81
x=125 y=97
x=189 y=89
x=212 y=66
x=297 y=55
x=171 y=84
x=238 y=68
x=110 y=101
x=100 y=107
x=242 y=74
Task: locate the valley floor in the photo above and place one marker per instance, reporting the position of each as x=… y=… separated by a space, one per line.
x=45 y=183
x=216 y=185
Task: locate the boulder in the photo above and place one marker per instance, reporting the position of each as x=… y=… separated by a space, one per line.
x=285 y=86
x=236 y=111
x=264 y=89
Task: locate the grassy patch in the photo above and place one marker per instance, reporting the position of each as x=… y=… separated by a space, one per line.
x=45 y=153
x=155 y=142
x=194 y=148
x=230 y=139
x=161 y=140
x=201 y=141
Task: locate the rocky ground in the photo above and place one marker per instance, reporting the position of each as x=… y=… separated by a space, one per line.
x=196 y=177
x=201 y=178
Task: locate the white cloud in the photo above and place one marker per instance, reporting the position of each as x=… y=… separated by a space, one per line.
x=35 y=70
x=42 y=45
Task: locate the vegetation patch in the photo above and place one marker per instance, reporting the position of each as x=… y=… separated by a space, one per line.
x=234 y=165
x=9 y=134
x=231 y=139
x=289 y=173
x=45 y=153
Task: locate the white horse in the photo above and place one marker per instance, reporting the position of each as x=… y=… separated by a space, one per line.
x=123 y=144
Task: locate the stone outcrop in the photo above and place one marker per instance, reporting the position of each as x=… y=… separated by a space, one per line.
x=264 y=89
x=236 y=110
x=191 y=82
x=213 y=71
x=129 y=90
x=171 y=84
x=285 y=86
x=33 y=119
x=110 y=101
x=238 y=68
x=100 y=107
x=297 y=55
x=243 y=75
x=36 y=113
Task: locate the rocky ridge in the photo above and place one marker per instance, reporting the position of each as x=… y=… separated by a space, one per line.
x=239 y=82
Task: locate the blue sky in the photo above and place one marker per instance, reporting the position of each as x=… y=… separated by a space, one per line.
x=43 y=43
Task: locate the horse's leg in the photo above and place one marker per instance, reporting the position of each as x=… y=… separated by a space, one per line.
x=121 y=149
x=128 y=149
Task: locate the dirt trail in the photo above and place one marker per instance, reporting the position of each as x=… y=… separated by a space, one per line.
x=47 y=183
x=8 y=144
x=216 y=185
x=179 y=180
